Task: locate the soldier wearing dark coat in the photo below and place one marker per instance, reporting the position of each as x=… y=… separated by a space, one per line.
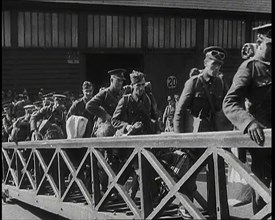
x=55 y=118
x=78 y=107
x=201 y=98
x=7 y=121
x=103 y=104
x=135 y=114
x=253 y=82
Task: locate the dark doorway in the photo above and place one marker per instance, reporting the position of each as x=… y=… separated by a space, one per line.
x=98 y=66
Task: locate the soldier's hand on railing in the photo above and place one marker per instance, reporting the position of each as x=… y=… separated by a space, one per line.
x=255 y=131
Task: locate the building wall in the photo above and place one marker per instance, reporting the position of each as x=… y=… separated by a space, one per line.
x=49 y=46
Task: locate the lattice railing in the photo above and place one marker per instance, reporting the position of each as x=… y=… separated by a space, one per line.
x=64 y=176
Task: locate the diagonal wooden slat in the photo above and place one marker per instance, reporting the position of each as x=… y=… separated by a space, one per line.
x=123 y=192
x=245 y=173
x=46 y=170
x=169 y=181
x=10 y=170
x=104 y=164
x=127 y=198
x=267 y=209
x=25 y=165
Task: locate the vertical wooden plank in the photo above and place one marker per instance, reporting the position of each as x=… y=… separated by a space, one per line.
x=115 y=31
x=220 y=29
x=41 y=30
x=48 y=29
x=177 y=40
x=54 y=30
x=96 y=31
x=211 y=198
x=61 y=30
x=182 y=33
x=150 y=32
x=230 y=34
x=156 y=32
x=121 y=31
x=109 y=31
x=133 y=32
x=127 y=32
x=225 y=33
x=172 y=32
x=206 y=32
x=216 y=32
x=3 y=29
x=234 y=34
x=7 y=28
x=90 y=27
x=161 y=32
x=95 y=180
x=188 y=31
x=243 y=32
x=74 y=30
x=102 y=34
x=68 y=30
x=220 y=187
x=21 y=29
x=166 y=32
x=34 y=27
x=27 y=29
x=139 y=32
x=193 y=32
x=211 y=32
x=239 y=34
x=144 y=174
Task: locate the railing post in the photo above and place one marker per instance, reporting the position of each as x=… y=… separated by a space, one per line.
x=220 y=187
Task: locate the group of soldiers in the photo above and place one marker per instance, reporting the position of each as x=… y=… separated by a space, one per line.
x=132 y=110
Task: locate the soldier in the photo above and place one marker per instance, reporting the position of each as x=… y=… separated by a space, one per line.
x=78 y=107
x=201 y=97
x=7 y=121
x=54 y=125
x=168 y=115
x=21 y=127
x=253 y=81
x=103 y=105
x=134 y=115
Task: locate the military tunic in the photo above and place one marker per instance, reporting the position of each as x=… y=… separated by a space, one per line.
x=78 y=108
x=253 y=82
x=194 y=100
x=102 y=105
x=129 y=111
x=56 y=116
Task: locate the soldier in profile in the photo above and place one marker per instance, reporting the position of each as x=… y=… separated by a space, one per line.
x=253 y=82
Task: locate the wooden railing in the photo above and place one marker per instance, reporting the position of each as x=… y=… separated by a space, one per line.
x=62 y=176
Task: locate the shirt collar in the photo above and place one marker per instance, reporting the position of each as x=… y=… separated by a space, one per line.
x=206 y=76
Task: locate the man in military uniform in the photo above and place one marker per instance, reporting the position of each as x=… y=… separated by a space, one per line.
x=78 y=107
x=168 y=115
x=103 y=105
x=21 y=127
x=201 y=98
x=7 y=121
x=54 y=126
x=135 y=115
x=253 y=81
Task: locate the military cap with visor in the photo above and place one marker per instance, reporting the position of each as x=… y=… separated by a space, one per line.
x=117 y=73
x=59 y=97
x=264 y=32
x=137 y=77
x=215 y=53
x=87 y=85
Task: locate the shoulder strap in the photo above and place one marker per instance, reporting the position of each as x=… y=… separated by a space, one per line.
x=207 y=94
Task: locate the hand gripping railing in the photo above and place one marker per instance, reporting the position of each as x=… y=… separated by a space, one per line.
x=64 y=176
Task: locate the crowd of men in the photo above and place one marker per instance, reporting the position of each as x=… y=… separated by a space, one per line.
x=132 y=110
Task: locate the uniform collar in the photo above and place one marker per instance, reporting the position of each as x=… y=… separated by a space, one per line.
x=262 y=61
x=206 y=76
